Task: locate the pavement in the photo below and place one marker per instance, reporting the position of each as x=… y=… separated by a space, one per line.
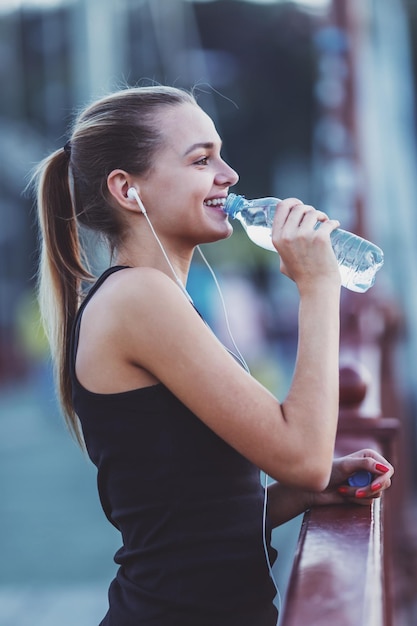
x=57 y=547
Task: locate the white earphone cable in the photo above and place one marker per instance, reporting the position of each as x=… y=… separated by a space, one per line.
x=265 y=499
x=268 y=560
x=132 y=193
x=226 y=317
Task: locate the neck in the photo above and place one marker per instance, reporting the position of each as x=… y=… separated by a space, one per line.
x=173 y=263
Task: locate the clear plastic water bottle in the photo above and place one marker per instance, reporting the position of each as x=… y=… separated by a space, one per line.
x=358 y=259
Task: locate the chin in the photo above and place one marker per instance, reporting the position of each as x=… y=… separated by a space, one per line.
x=220 y=235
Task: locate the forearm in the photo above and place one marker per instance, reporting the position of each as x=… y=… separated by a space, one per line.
x=316 y=377
x=285 y=503
x=312 y=401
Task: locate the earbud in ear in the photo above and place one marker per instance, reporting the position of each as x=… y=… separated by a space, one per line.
x=132 y=194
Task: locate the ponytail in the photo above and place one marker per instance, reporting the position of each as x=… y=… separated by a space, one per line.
x=62 y=270
x=120 y=131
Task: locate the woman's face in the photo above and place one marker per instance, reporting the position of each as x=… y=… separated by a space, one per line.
x=188 y=178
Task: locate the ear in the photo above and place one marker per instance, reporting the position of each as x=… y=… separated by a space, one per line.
x=118 y=183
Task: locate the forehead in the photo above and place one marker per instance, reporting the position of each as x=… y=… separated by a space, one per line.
x=184 y=125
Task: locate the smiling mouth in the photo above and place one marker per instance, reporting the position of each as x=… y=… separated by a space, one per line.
x=216 y=202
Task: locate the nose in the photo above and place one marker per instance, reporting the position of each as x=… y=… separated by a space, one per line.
x=226 y=176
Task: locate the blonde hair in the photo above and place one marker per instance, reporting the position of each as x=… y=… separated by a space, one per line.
x=118 y=131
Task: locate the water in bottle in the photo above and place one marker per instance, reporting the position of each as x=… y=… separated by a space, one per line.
x=358 y=259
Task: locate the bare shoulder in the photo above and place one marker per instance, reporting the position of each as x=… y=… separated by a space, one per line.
x=134 y=289
x=124 y=325
x=149 y=295
x=139 y=304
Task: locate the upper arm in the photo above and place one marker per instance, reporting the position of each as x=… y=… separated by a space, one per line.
x=163 y=334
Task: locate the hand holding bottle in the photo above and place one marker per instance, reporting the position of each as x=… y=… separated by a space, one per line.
x=306 y=255
x=358 y=259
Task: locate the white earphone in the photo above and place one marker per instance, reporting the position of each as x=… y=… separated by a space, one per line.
x=132 y=194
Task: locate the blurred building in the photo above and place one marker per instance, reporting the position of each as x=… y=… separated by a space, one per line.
x=271 y=74
x=275 y=77
x=56 y=56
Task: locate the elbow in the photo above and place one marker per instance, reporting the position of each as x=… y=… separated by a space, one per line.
x=319 y=475
x=314 y=475
x=317 y=481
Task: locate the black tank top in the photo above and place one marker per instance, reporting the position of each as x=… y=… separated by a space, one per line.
x=188 y=506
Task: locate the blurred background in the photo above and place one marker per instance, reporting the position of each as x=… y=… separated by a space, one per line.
x=313 y=98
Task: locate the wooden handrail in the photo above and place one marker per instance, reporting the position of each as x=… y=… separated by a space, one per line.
x=342 y=569
x=338 y=573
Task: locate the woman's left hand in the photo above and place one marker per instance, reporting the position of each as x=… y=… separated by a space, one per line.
x=338 y=490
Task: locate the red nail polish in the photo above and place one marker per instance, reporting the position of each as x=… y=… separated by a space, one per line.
x=376 y=487
x=361 y=493
x=382 y=468
x=342 y=489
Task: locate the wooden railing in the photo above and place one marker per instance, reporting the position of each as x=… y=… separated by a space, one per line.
x=338 y=574
x=341 y=572
x=343 y=564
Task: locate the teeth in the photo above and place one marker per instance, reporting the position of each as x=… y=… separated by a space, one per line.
x=215 y=202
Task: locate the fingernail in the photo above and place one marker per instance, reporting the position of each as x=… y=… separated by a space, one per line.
x=361 y=493
x=376 y=487
x=343 y=489
x=381 y=468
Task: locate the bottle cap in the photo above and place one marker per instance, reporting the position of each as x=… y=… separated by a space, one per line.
x=232 y=204
x=362 y=478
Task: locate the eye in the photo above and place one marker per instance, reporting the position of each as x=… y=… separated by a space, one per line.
x=202 y=161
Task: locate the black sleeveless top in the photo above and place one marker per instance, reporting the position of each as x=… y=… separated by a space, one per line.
x=188 y=506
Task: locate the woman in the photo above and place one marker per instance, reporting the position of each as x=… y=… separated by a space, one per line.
x=177 y=428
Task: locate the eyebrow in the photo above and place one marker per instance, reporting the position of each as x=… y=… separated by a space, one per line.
x=208 y=145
